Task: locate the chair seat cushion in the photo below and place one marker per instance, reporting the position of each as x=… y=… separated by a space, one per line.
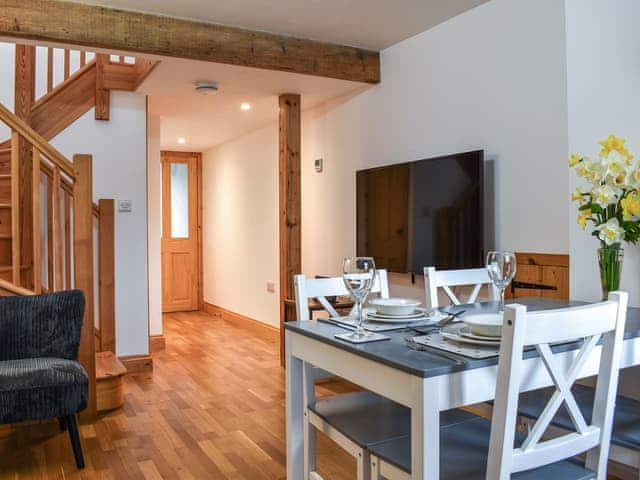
x=41 y=388
x=626 y=420
x=366 y=418
x=464 y=448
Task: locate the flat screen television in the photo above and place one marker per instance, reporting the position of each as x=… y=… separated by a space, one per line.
x=423 y=213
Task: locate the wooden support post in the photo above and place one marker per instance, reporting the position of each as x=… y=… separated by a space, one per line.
x=106 y=242
x=83 y=267
x=67 y=240
x=36 y=227
x=16 y=260
x=290 y=129
x=103 y=95
x=57 y=230
x=49 y=224
x=25 y=88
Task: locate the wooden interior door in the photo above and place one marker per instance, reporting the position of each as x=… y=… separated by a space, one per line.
x=180 y=231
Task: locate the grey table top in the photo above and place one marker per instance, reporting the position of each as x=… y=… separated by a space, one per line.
x=396 y=354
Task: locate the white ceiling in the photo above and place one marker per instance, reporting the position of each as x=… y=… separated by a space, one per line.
x=206 y=121
x=372 y=24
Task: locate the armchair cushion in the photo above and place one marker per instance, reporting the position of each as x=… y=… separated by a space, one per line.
x=41 y=326
x=41 y=388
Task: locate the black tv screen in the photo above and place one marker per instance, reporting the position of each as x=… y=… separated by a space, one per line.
x=423 y=213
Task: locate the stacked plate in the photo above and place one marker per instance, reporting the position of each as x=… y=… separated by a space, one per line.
x=395 y=310
x=481 y=329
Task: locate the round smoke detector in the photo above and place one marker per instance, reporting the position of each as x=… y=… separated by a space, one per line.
x=207 y=88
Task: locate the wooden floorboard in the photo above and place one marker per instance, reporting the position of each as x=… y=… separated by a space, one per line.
x=213 y=408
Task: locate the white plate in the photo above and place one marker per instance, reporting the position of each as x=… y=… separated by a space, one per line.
x=485 y=324
x=394 y=306
x=467 y=333
x=461 y=339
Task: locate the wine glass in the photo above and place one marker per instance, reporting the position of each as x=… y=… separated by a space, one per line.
x=502 y=268
x=359 y=274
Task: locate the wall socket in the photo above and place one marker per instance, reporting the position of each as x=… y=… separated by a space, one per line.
x=271 y=287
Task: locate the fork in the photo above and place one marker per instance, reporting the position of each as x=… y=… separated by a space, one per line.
x=413 y=345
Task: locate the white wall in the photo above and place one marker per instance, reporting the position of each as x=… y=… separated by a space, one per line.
x=603 y=49
x=491 y=78
x=240 y=216
x=154 y=202
x=7 y=86
x=120 y=171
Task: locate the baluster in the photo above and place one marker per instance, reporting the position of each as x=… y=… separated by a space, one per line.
x=49 y=69
x=57 y=230
x=15 y=208
x=121 y=59
x=67 y=241
x=49 y=204
x=83 y=58
x=106 y=248
x=37 y=251
x=67 y=63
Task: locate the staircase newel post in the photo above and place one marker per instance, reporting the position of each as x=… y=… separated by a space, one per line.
x=83 y=269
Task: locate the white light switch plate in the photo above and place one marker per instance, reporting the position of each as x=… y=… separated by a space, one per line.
x=125 y=206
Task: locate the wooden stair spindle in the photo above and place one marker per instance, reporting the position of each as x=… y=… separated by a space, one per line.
x=36 y=227
x=16 y=260
x=57 y=230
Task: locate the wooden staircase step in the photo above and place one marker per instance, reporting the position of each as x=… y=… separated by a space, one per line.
x=109 y=381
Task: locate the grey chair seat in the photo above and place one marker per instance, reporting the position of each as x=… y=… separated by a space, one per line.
x=464 y=448
x=366 y=418
x=626 y=420
x=41 y=388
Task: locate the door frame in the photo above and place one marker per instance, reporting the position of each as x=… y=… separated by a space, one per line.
x=199 y=239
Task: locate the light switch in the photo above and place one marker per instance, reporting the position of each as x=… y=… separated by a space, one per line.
x=125 y=206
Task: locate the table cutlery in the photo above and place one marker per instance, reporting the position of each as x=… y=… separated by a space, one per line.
x=452 y=316
x=413 y=345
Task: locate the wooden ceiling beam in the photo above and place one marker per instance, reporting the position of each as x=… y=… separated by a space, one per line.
x=99 y=27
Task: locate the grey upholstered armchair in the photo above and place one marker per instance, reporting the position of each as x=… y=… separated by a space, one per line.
x=39 y=375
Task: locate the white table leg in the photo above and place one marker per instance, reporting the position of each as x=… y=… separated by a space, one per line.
x=425 y=432
x=309 y=397
x=294 y=413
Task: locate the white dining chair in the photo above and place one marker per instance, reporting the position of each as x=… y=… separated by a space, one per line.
x=357 y=420
x=487 y=448
x=434 y=280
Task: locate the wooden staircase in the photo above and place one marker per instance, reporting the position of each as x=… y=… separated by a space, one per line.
x=60 y=247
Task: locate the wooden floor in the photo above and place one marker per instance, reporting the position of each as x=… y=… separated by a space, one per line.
x=212 y=409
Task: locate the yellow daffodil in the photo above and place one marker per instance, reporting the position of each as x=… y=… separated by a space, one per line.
x=574 y=160
x=577 y=195
x=631 y=206
x=615 y=144
x=583 y=216
x=610 y=232
x=618 y=180
x=635 y=177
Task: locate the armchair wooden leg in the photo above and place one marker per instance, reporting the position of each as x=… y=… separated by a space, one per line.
x=75 y=440
x=63 y=423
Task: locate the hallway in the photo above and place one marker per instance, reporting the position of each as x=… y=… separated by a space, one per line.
x=212 y=409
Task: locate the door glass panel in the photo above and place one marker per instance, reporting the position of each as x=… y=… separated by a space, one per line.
x=179 y=200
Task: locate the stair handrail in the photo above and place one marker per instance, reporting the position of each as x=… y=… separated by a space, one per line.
x=10 y=287
x=34 y=138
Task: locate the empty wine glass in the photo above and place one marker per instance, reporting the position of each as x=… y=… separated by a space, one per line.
x=359 y=274
x=502 y=268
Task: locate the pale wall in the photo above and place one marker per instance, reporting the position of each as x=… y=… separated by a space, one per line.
x=490 y=78
x=603 y=48
x=120 y=172
x=240 y=219
x=154 y=202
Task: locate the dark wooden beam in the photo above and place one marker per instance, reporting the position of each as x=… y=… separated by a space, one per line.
x=290 y=207
x=100 y=27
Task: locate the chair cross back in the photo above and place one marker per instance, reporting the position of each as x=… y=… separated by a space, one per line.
x=445 y=279
x=321 y=288
x=591 y=323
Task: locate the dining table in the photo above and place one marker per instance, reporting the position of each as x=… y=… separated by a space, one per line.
x=427 y=381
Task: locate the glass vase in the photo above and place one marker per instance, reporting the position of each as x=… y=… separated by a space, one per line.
x=610 y=261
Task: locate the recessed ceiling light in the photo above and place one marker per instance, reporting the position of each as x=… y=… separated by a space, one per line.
x=207 y=88
x=182 y=140
x=245 y=106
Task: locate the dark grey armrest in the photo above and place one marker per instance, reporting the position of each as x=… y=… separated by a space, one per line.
x=41 y=326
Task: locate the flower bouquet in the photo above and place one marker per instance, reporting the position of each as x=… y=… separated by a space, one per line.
x=610 y=202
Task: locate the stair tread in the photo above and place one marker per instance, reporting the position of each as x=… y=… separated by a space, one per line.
x=108 y=366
